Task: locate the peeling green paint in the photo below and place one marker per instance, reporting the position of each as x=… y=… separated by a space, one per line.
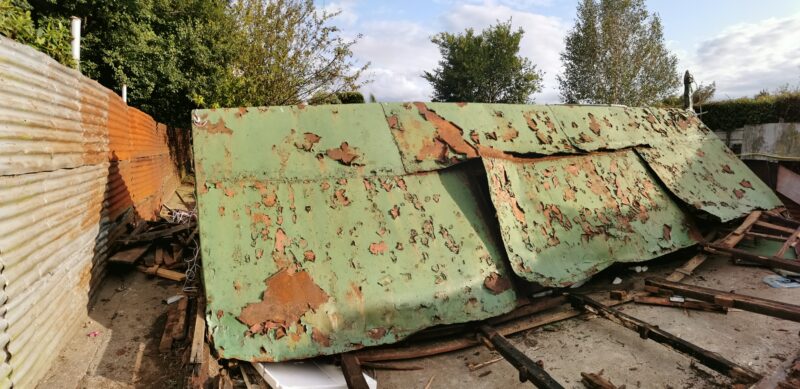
x=563 y=219
x=700 y=170
x=329 y=228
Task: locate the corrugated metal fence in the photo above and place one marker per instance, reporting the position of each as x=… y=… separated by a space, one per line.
x=73 y=159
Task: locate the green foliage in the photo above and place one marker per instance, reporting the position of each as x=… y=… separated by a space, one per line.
x=729 y=115
x=703 y=94
x=170 y=53
x=350 y=97
x=49 y=35
x=484 y=68
x=322 y=98
x=372 y=98
x=286 y=52
x=615 y=54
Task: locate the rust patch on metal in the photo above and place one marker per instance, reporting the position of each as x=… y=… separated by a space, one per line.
x=594 y=125
x=344 y=154
x=309 y=140
x=667 y=232
x=738 y=193
x=496 y=283
x=320 y=337
x=394 y=212
x=447 y=133
x=309 y=256
x=377 y=333
x=219 y=128
x=288 y=296
x=726 y=168
x=746 y=184
x=378 y=248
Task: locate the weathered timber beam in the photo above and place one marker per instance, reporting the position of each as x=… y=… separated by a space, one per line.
x=666 y=302
x=780 y=263
x=647 y=331
x=528 y=369
x=351 y=368
x=731 y=300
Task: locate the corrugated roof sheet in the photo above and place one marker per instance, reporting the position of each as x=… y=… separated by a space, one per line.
x=566 y=218
x=313 y=196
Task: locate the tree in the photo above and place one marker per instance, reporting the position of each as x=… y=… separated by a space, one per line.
x=483 y=67
x=615 y=54
x=286 y=53
x=173 y=54
x=49 y=35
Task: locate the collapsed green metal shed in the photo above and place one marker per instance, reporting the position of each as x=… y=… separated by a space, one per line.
x=330 y=228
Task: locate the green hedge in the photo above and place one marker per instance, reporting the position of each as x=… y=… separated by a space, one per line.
x=49 y=35
x=729 y=115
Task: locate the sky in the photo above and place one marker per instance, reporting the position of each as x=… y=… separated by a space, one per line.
x=745 y=46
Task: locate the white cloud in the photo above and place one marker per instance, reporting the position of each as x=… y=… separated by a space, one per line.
x=400 y=51
x=746 y=58
x=542 y=42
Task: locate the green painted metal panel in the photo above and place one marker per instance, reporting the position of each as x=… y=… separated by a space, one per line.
x=295 y=142
x=436 y=135
x=700 y=170
x=373 y=260
x=592 y=128
x=564 y=219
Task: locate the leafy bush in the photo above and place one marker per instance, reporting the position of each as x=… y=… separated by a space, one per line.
x=729 y=115
x=50 y=35
x=350 y=97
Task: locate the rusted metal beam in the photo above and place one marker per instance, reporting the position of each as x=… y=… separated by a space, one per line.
x=528 y=369
x=351 y=368
x=771 y=261
x=666 y=302
x=647 y=331
x=747 y=303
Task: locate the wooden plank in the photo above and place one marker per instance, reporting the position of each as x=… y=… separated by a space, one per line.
x=166 y=338
x=666 y=302
x=738 y=234
x=169 y=258
x=688 y=267
x=780 y=263
x=129 y=255
x=179 y=329
x=747 y=303
x=773 y=227
x=352 y=372
x=147 y=236
x=596 y=381
x=647 y=331
x=198 y=334
x=159 y=259
x=163 y=273
x=528 y=369
x=790 y=242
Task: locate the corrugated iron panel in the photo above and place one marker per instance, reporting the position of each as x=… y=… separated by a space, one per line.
x=303 y=268
x=591 y=128
x=564 y=219
x=700 y=170
x=432 y=136
x=58 y=132
x=50 y=117
x=295 y=142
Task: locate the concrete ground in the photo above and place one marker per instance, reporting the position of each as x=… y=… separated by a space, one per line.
x=118 y=346
x=593 y=345
x=129 y=318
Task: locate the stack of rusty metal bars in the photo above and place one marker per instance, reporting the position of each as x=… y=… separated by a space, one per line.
x=75 y=163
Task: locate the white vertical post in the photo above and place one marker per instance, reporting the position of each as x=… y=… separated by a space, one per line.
x=75 y=28
x=125 y=93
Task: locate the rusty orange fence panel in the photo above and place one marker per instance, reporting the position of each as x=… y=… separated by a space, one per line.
x=73 y=158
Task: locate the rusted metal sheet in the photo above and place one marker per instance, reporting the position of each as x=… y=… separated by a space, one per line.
x=72 y=154
x=295 y=269
x=591 y=128
x=303 y=142
x=700 y=170
x=563 y=219
x=788 y=184
x=432 y=136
